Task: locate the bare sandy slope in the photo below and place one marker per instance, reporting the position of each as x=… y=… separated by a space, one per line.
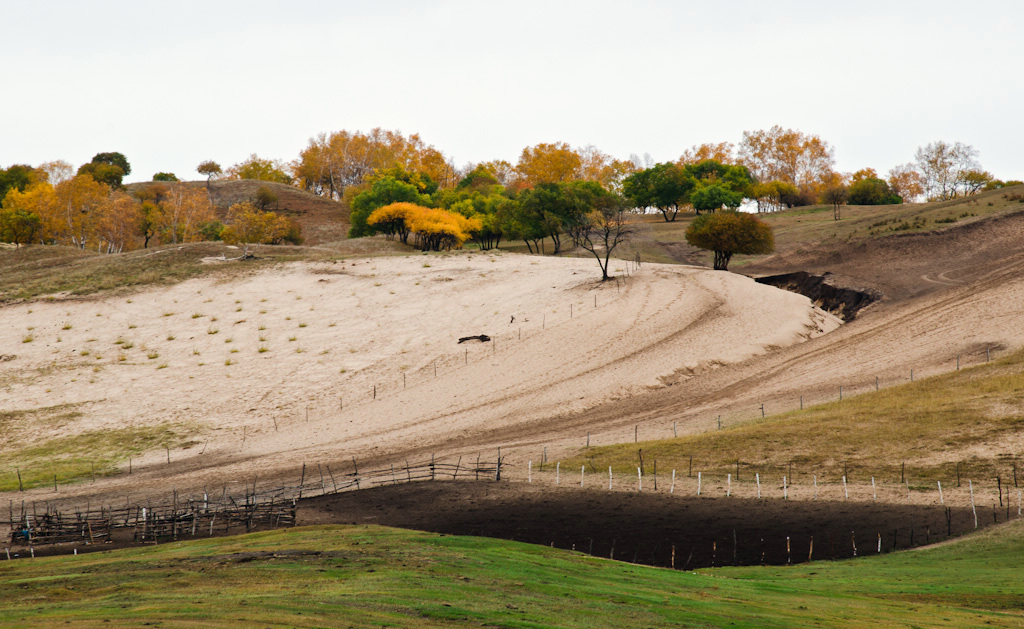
x=886 y=341
x=337 y=335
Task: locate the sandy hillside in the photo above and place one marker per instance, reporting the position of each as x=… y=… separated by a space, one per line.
x=336 y=334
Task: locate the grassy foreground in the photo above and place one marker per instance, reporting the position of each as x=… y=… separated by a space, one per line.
x=374 y=577
x=969 y=417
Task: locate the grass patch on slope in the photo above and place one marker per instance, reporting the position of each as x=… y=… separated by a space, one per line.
x=77 y=457
x=970 y=417
x=374 y=577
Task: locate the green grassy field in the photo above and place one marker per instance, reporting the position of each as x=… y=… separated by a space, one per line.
x=379 y=577
x=970 y=417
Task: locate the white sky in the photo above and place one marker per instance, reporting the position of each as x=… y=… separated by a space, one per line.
x=170 y=84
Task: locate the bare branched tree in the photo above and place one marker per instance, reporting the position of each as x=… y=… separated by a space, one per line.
x=607 y=226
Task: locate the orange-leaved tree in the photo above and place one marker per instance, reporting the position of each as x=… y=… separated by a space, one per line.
x=76 y=210
x=333 y=162
x=721 y=153
x=793 y=157
x=183 y=212
x=549 y=163
x=118 y=224
x=250 y=227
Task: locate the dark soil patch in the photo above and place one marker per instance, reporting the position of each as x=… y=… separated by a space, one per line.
x=645 y=527
x=842 y=302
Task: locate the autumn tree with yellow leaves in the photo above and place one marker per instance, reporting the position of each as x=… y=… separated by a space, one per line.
x=394 y=220
x=793 y=157
x=182 y=214
x=549 y=163
x=434 y=229
x=78 y=212
x=249 y=227
x=333 y=162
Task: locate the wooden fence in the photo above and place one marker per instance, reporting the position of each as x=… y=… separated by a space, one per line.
x=202 y=515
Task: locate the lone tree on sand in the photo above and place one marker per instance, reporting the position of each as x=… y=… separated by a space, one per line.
x=605 y=227
x=727 y=233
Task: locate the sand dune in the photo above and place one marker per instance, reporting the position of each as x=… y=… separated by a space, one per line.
x=351 y=350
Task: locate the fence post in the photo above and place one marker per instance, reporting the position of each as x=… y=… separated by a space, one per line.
x=973 y=509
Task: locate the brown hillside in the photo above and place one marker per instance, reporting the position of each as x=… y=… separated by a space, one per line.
x=323 y=220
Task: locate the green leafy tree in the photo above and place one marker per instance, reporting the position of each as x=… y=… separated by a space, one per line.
x=554 y=207
x=728 y=233
x=16 y=177
x=663 y=186
x=517 y=222
x=484 y=208
x=382 y=191
x=102 y=172
x=113 y=159
x=265 y=197
x=165 y=177
x=478 y=180
x=422 y=181
x=872 y=191
x=713 y=197
x=19 y=226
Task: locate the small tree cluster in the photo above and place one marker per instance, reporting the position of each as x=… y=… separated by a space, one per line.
x=707 y=186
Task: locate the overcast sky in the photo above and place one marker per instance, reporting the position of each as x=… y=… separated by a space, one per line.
x=170 y=84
